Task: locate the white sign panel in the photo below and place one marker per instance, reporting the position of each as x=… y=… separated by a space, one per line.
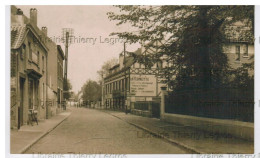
x=143 y=85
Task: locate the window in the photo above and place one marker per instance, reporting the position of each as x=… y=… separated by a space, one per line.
x=35 y=57
x=126 y=84
x=30 y=92
x=237 y=53
x=23 y=51
x=43 y=95
x=30 y=50
x=43 y=63
x=38 y=57
x=159 y=64
x=123 y=84
x=246 y=50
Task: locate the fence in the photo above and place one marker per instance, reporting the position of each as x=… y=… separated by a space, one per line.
x=226 y=103
x=141 y=105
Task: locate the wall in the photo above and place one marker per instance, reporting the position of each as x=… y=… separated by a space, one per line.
x=52 y=65
x=51 y=102
x=238 y=129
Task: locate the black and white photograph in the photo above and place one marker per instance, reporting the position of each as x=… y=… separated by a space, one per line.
x=118 y=80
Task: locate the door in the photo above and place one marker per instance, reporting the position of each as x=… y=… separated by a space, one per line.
x=30 y=94
x=21 y=107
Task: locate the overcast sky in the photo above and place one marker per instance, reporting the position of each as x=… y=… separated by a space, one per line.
x=92 y=26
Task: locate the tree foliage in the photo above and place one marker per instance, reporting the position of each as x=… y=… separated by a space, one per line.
x=104 y=71
x=91 y=91
x=192 y=39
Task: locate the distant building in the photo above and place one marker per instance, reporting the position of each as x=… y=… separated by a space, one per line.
x=240 y=47
x=132 y=84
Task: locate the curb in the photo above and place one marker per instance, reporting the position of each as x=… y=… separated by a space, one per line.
x=41 y=136
x=191 y=149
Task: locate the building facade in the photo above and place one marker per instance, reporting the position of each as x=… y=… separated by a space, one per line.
x=55 y=76
x=60 y=57
x=132 y=85
x=239 y=47
x=28 y=71
x=35 y=63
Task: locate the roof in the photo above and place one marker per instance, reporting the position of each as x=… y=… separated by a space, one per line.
x=60 y=51
x=115 y=66
x=18 y=34
x=129 y=61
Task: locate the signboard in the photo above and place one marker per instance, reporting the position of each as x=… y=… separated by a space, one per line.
x=143 y=85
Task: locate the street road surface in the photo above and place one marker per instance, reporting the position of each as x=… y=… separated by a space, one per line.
x=89 y=131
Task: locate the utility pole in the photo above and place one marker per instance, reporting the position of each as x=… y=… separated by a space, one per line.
x=66 y=56
x=67 y=34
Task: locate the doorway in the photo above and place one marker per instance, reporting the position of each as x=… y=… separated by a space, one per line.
x=21 y=107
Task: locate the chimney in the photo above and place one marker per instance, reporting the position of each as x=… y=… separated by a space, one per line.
x=18 y=18
x=33 y=16
x=44 y=30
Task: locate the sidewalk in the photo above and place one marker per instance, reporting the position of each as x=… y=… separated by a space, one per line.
x=28 y=135
x=187 y=137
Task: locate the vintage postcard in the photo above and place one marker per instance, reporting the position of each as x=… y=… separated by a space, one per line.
x=128 y=79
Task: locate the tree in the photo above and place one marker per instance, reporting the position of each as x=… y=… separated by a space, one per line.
x=91 y=91
x=193 y=39
x=104 y=71
x=67 y=88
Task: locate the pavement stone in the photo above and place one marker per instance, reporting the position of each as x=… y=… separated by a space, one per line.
x=22 y=139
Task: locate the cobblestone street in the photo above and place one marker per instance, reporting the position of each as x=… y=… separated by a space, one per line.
x=92 y=131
